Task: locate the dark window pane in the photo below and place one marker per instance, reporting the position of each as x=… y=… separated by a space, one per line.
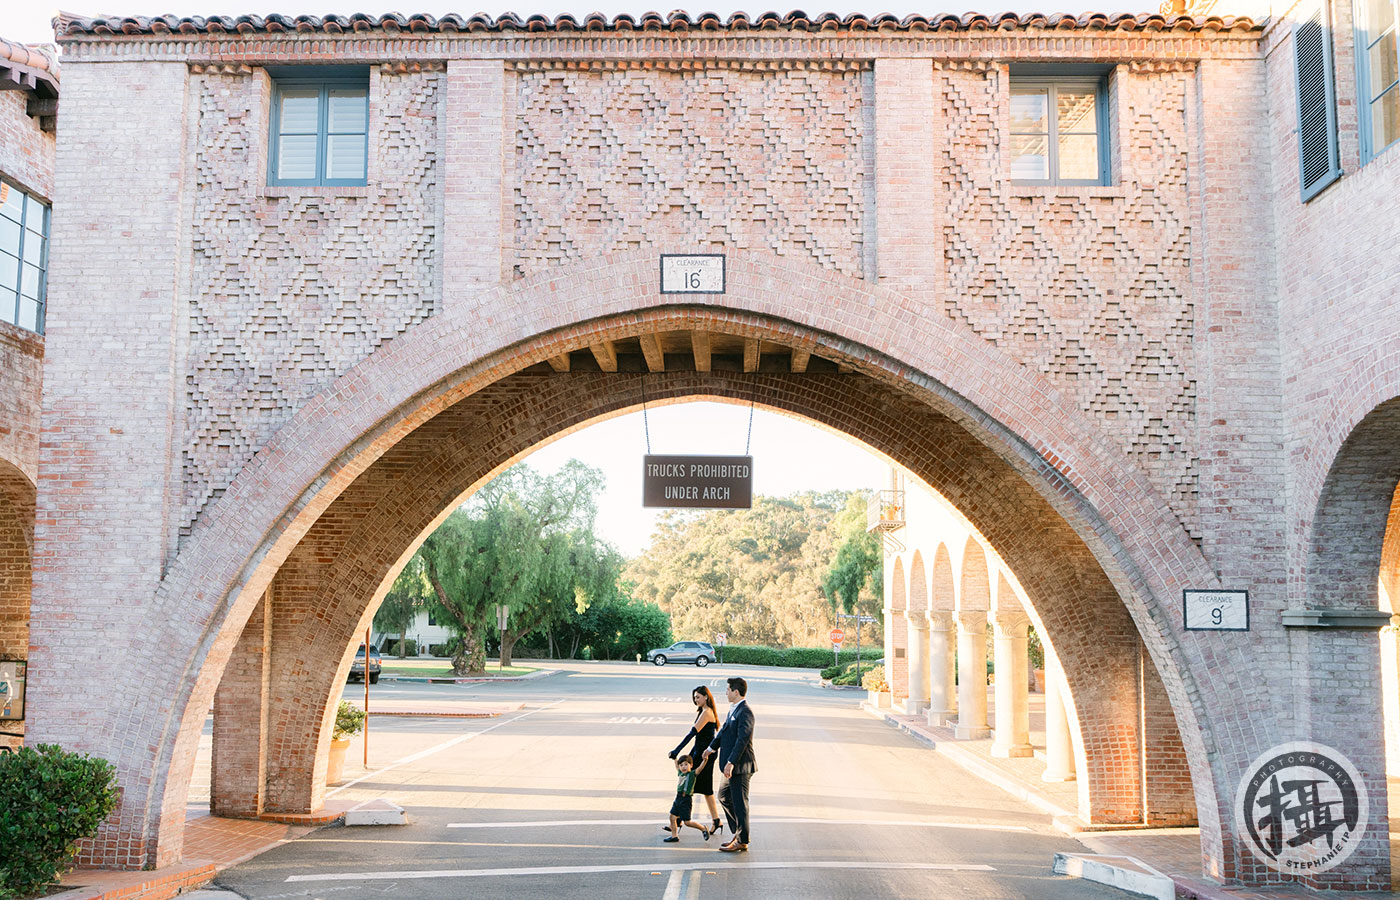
x=296 y=156
x=300 y=111
x=349 y=111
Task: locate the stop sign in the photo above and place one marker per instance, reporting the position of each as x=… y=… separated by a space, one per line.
x=837 y=636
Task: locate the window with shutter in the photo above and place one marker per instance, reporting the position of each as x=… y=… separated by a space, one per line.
x=1319 y=163
x=1377 y=75
x=320 y=127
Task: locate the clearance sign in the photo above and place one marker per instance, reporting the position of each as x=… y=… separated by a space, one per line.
x=697 y=482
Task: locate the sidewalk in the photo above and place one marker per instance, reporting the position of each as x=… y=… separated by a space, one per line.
x=212 y=844
x=1174 y=852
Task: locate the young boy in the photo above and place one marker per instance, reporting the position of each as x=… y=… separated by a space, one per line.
x=680 y=808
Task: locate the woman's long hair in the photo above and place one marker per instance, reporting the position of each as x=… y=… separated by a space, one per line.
x=709 y=699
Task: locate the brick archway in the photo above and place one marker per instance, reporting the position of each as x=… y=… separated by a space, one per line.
x=1125 y=551
x=16 y=552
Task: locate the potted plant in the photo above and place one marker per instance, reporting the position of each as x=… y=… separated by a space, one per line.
x=877 y=687
x=349 y=721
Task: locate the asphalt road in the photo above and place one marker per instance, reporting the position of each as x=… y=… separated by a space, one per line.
x=564 y=798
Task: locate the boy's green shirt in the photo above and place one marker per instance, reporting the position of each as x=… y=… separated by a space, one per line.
x=685 y=784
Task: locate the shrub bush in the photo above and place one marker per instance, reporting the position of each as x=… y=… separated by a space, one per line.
x=391 y=648
x=792 y=657
x=349 y=721
x=49 y=800
x=874 y=680
x=831 y=672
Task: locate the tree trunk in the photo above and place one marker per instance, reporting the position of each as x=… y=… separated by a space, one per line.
x=403 y=639
x=508 y=639
x=549 y=635
x=470 y=657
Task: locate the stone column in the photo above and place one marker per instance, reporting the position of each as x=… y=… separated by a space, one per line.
x=917 y=703
x=1059 y=749
x=972 y=676
x=942 y=694
x=1013 y=731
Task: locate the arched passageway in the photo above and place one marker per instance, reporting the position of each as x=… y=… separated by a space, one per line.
x=321 y=516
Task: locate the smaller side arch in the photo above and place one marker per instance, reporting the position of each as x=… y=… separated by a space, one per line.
x=918 y=586
x=944 y=595
x=975 y=585
x=897 y=632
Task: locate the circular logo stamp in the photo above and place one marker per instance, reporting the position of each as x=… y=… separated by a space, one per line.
x=1302 y=807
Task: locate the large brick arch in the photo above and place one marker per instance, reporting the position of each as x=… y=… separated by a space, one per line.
x=1132 y=551
x=329 y=585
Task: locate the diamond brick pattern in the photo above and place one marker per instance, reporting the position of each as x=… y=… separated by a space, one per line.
x=1091 y=287
x=616 y=160
x=290 y=292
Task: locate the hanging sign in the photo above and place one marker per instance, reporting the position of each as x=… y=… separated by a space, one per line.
x=699 y=273
x=697 y=482
x=1215 y=610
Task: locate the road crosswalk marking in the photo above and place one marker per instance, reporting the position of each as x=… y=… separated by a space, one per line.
x=758 y=820
x=414 y=874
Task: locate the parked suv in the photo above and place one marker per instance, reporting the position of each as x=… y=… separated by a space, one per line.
x=357 y=668
x=698 y=652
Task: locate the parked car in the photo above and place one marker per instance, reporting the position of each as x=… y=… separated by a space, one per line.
x=357 y=668
x=698 y=652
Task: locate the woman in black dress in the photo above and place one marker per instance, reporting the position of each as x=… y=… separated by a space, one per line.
x=706 y=724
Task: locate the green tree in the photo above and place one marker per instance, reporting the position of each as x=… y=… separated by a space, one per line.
x=408 y=594
x=524 y=541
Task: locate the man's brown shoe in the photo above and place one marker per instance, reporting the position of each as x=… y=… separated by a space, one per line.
x=734 y=847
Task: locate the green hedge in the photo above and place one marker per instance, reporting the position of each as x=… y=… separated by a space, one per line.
x=49 y=800
x=792 y=657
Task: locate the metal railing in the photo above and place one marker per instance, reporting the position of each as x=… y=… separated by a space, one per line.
x=885 y=511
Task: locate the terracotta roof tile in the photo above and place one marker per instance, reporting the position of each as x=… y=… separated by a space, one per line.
x=678 y=21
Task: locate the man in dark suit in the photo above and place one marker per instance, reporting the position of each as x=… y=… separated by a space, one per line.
x=734 y=742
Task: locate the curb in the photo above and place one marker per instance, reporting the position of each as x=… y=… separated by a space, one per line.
x=1126 y=873
x=839 y=687
x=512 y=679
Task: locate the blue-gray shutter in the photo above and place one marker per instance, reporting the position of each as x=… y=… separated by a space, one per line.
x=1319 y=162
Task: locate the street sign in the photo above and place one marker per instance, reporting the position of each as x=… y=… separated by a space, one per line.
x=721 y=639
x=502 y=615
x=697 y=273
x=837 y=636
x=697 y=482
x=1215 y=610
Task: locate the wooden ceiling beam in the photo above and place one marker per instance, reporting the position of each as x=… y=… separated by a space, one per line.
x=559 y=363
x=700 y=346
x=800 y=358
x=750 y=355
x=606 y=355
x=651 y=351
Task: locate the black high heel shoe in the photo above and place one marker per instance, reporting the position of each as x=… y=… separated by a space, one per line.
x=717 y=827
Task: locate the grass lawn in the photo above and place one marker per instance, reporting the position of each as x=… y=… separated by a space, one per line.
x=439 y=668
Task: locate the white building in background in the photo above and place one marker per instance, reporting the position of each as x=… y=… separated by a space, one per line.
x=425 y=631
x=943 y=585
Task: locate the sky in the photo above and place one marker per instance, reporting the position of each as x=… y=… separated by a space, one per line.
x=789 y=454
x=29 y=22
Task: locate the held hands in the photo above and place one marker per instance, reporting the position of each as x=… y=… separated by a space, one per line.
x=729 y=770
x=671 y=755
x=709 y=751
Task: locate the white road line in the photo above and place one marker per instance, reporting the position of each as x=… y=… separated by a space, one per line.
x=662 y=867
x=887 y=823
x=673 y=885
x=440 y=747
x=693 y=890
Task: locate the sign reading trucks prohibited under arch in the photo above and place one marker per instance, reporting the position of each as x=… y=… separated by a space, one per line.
x=697 y=482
